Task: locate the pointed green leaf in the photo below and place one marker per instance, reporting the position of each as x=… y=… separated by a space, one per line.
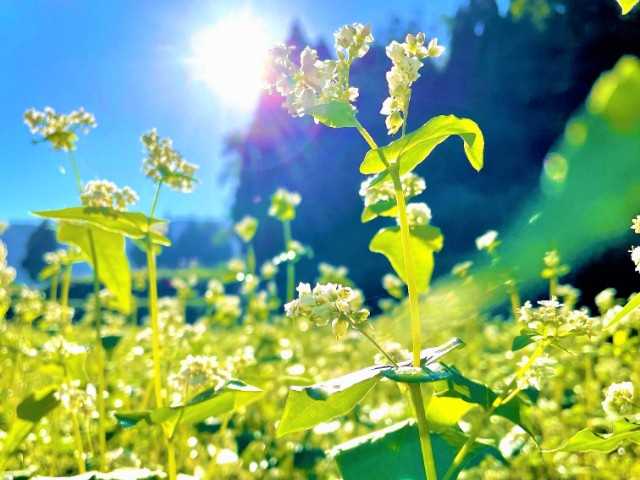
x=627 y=5
x=394 y=454
x=587 y=440
x=384 y=208
x=630 y=306
x=113 y=265
x=414 y=148
x=134 y=225
x=335 y=114
x=233 y=395
x=522 y=340
x=424 y=240
x=310 y=405
x=29 y=412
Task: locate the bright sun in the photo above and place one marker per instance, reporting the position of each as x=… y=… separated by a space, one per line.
x=230 y=56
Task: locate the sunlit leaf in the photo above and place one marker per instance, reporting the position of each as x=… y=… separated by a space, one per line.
x=414 y=148
x=112 y=262
x=630 y=306
x=424 y=241
x=587 y=440
x=130 y=224
x=522 y=340
x=233 y=395
x=394 y=454
x=334 y=114
x=627 y=5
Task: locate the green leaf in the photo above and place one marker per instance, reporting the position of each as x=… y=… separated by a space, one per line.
x=414 y=148
x=516 y=410
x=29 y=412
x=63 y=140
x=335 y=114
x=522 y=341
x=394 y=454
x=310 y=405
x=233 y=395
x=424 y=240
x=435 y=372
x=134 y=225
x=385 y=208
x=112 y=263
x=587 y=440
x=109 y=342
x=627 y=5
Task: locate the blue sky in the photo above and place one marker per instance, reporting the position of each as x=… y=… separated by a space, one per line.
x=124 y=61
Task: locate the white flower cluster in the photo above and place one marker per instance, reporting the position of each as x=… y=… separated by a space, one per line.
x=283 y=204
x=164 y=164
x=215 y=289
x=199 y=371
x=552 y=319
x=328 y=303
x=7 y=276
x=59 y=128
x=635 y=224
x=620 y=400
x=106 y=194
x=488 y=241
x=227 y=309
x=58 y=346
x=246 y=228
x=333 y=274
x=418 y=214
x=553 y=266
x=75 y=399
x=412 y=185
x=55 y=316
x=606 y=300
x=29 y=304
x=635 y=251
x=407 y=61
x=268 y=270
x=314 y=82
x=542 y=368
x=62 y=256
x=393 y=285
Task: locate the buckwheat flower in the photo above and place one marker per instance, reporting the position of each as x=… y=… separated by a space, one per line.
x=215 y=289
x=541 y=369
x=283 y=204
x=163 y=164
x=197 y=372
x=606 y=299
x=57 y=128
x=313 y=81
x=553 y=267
x=513 y=442
x=412 y=185
x=55 y=316
x=407 y=60
x=488 y=241
x=246 y=228
x=75 y=399
x=635 y=257
x=106 y=194
x=268 y=270
x=620 y=400
x=328 y=304
x=635 y=224
x=29 y=305
x=393 y=285
x=418 y=214
x=236 y=265
x=62 y=348
x=332 y=274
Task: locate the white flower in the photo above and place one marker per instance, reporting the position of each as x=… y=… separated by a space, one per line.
x=164 y=164
x=412 y=185
x=542 y=368
x=57 y=128
x=606 y=299
x=283 y=204
x=619 y=400
x=393 y=285
x=418 y=214
x=635 y=224
x=487 y=241
x=198 y=371
x=246 y=228
x=105 y=194
x=635 y=257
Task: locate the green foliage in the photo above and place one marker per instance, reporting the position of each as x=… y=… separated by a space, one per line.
x=412 y=149
x=119 y=474
x=588 y=440
x=232 y=396
x=627 y=5
x=112 y=264
x=394 y=453
x=29 y=412
x=335 y=114
x=425 y=240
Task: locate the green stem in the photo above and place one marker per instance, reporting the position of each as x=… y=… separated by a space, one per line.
x=377 y=345
x=514 y=297
x=102 y=439
x=64 y=295
x=251 y=259
x=553 y=287
x=53 y=287
x=76 y=171
x=291 y=273
x=414 y=310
